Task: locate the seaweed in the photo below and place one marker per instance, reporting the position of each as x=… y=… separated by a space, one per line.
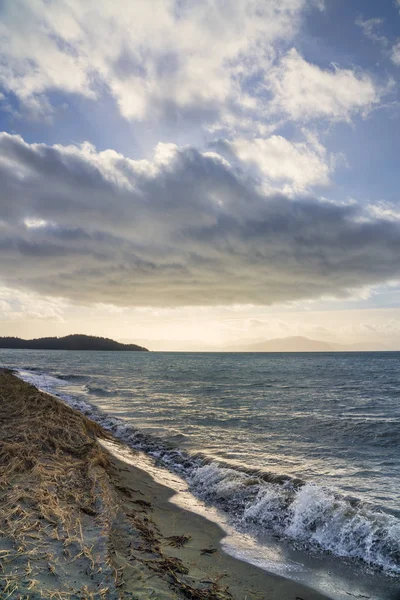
x=178 y=541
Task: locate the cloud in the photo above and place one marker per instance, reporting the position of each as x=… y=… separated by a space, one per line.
x=395 y=54
x=135 y=51
x=385 y=210
x=370 y=28
x=211 y=74
x=300 y=165
x=16 y=304
x=184 y=228
x=305 y=91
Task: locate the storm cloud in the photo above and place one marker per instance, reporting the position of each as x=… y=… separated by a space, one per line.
x=184 y=228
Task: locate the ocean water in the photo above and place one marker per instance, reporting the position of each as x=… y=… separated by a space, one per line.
x=297 y=449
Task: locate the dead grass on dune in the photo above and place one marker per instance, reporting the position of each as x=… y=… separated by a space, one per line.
x=58 y=498
x=50 y=476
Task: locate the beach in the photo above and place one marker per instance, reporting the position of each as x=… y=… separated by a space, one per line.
x=78 y=522
x=199 y=299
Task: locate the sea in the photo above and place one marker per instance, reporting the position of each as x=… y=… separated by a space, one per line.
x=296 y=455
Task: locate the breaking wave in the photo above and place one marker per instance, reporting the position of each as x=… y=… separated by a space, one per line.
x=310 y=516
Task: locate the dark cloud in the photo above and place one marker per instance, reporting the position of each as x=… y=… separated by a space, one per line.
x=184 y=230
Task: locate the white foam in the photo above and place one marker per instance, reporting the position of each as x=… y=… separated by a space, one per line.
x=311 y=516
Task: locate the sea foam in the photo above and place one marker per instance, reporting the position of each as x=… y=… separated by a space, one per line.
x=309 y=516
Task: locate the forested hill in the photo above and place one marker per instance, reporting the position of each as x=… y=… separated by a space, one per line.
x=69 y=342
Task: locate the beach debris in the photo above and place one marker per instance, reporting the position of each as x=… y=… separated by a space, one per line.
x=172 y=564
x=209 y=551
x=143 y=503
x=178 y=541
x=124 y=490
x=210 y=593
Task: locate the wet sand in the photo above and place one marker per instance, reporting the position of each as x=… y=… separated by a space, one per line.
x=78 y=522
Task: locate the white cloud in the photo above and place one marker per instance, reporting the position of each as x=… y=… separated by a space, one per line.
x=299 y=164
x=385 y=210
x=176 y=62
x=34 y=61
x=35 y=223
x=153 y=56
x=395 y=54
x=16 y=304
x=370 y=28
x=304 y=91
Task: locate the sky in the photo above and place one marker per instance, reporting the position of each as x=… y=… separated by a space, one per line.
x=194 y=173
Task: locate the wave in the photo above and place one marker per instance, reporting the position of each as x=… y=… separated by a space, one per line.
x=99 y=391
x=384 y=432
x=313 y=517
x=310 y=516
x=71 y=377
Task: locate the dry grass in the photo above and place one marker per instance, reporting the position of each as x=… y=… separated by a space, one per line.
x=58 y=498
x=51 y=476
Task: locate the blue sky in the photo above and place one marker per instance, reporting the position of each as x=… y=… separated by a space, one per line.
x=175 y=157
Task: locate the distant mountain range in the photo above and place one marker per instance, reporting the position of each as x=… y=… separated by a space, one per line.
x=69 y=342
x=301 y=344
x=286 y=344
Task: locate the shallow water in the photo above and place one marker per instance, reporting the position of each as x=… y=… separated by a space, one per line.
x=304 y=447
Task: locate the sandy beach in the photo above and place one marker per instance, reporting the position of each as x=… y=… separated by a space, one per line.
x=78 y=522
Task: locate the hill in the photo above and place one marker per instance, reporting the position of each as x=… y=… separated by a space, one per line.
x=300 y=344
x=69 y=342
x=288 y=344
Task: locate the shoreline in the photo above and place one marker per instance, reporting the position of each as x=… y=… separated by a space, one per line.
x=78 y=522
